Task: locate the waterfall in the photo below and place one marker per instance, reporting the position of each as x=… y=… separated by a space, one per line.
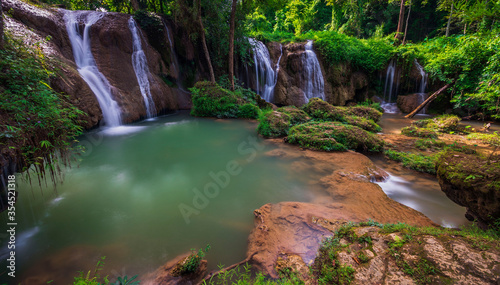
x=140 y=63
x=389 y=81
x=422 y=86
x=314 y=84
x=86 y=64
x=266 y=76
x=173 y=57
x=423 y=81
x=389 y=88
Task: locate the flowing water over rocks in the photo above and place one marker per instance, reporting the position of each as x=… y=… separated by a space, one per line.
x=80 y=41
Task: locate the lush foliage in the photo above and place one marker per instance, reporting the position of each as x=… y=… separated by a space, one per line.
x=211 y=100
x=35 y=120
x=94 y=278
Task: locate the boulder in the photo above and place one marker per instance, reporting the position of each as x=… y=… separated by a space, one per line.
x=167 y=275
x=408 y=103
x=472 y=182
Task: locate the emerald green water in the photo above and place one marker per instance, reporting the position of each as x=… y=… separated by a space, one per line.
x=123 y=200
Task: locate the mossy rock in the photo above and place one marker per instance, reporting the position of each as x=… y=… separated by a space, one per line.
x=444 y=123
x=297 y=116
x=413 y=131
x=274 y=124
x=332 y=136
x=320 y=109
x=365 y=112
x=364 y=123
x=472 y=181
x=211 y=100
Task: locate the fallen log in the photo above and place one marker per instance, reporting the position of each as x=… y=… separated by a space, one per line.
x=428 y=100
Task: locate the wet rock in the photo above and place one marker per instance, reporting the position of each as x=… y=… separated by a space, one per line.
x=408 y=103
x=167 y=275
x=474 y=185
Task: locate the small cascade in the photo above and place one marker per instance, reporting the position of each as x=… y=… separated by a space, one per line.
x=173 y=55
x=315 y=85
x=421 y=88
x=266 y=76
x=140 y=63
x=86 y=64
x=423 y=81
x=389 y=88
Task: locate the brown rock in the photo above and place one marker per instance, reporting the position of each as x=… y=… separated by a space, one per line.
x=165 y=275
x=408 y=103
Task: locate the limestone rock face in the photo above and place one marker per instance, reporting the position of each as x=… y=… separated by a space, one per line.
x=471 y=182
x=342 y=84
x=112 y=49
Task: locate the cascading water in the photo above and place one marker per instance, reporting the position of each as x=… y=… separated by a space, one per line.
x=140 y=63
x=389 y=88
x=314 y=83
x=173 y=56
x=422 y=86
x=266 y=76
x=86 y=64
x=423 y=80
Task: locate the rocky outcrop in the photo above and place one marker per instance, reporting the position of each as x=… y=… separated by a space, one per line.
x=472 y=182
x=342 y=85
x=166 y=274
x=408 y=103
x=293 y=228
x=112 y=49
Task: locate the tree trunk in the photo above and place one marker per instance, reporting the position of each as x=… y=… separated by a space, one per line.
x=401 y=19
x=204 y=42
x=1 y=25
x=449 y=21
x=407 y=19
x=231 y=45
x=135 y=5
x=430 y=99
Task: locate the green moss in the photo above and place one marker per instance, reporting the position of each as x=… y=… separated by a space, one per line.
x=330 y=136
x=466 y=170
x=273 y=124
x=443 y=123
x=297 y=116
x=365 y=112
x=424 y=144
x=319 y=109
x=364 y=123
x=413 y=131
x=418 y=162
x=211 y=100
x=491 y=139
x=327 y=267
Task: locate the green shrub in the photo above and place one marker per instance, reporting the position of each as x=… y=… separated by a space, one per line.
x=191 y=263
x=413 y=131
x=248 y=111
x=35 y=121
x=331 y=136
x=273 y=124
x=211 y=100
x=418 y=162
